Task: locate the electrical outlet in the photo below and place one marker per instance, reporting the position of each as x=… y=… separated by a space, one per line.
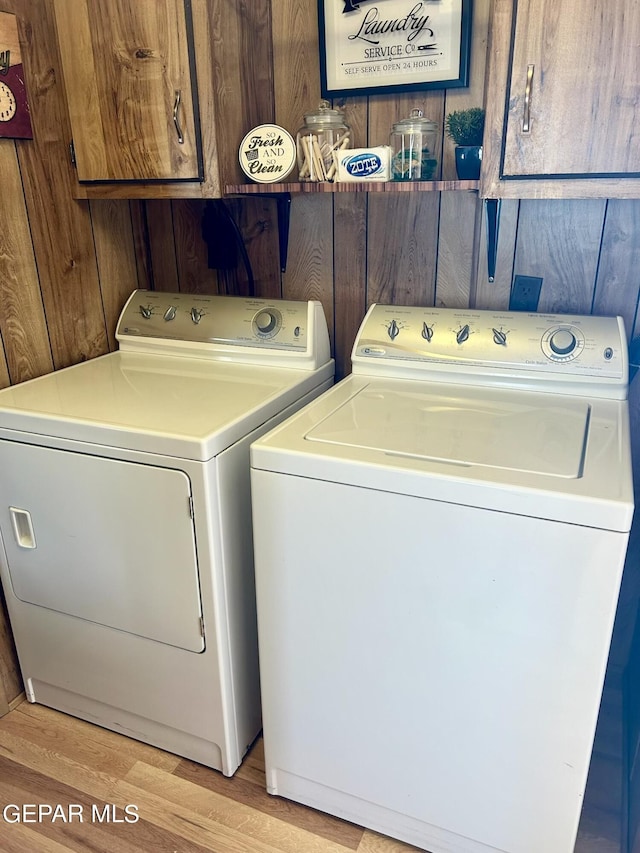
x=525 y=293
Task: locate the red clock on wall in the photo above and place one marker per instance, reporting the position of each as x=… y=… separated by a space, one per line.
x=15 y=121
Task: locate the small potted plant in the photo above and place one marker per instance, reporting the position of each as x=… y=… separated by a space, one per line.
x=466 y=128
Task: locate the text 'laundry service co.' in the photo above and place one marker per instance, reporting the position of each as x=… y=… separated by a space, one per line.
x=365 y=42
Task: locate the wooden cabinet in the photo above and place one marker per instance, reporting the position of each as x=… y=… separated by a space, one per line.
x=569 y=125
x=130 y=88
x=161 y=92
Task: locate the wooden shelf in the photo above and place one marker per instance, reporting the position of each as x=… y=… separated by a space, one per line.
x=351 y=187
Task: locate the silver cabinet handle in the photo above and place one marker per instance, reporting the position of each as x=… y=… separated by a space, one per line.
x=526 y=119
x=176 y=120
x=22 y=527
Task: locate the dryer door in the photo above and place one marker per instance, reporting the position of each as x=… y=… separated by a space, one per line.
x=102 y=539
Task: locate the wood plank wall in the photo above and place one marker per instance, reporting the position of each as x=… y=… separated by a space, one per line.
x=67 y=266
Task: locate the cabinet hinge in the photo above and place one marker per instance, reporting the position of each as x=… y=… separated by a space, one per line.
x=202 y=627
x=191 y=507
x=72 y=153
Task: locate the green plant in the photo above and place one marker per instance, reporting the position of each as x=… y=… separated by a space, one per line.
x=466 y=127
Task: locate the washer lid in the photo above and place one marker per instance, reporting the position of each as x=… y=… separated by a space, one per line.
x=514 y=432
x=549 y=456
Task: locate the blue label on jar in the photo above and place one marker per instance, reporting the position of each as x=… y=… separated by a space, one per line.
x=363 y=165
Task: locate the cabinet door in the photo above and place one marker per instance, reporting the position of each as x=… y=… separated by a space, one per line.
x=127 y=69
x=583 y=104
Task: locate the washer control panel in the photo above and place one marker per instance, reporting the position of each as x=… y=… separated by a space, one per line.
x=229 y=320
x=276 y=332
x=513 y=347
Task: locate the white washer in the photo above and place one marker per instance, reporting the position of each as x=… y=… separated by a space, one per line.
x=439 y=545
x=126 y=521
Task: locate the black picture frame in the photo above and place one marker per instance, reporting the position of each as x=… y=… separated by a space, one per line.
x=370 y=47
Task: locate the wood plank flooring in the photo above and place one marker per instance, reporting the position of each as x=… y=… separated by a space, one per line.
x=50 y=758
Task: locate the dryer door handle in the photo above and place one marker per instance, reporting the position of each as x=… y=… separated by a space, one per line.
x=22 y=527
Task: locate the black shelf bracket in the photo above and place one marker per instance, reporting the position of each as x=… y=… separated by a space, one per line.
x=283 y=204
x=492 y=209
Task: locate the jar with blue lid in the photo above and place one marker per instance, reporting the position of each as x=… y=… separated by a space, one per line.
x=413 y=143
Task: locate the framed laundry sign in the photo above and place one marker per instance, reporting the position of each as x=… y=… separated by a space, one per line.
x=15 y=121
x=384 y=46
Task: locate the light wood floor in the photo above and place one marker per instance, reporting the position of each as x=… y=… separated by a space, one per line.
x=50 y=758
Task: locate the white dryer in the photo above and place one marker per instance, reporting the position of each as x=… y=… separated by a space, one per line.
x=439 y=544
x=125 y=516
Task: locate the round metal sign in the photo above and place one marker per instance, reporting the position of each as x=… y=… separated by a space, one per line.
x=267 y=154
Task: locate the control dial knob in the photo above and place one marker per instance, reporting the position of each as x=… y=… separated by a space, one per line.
x=463 y=334
x=562 y=342
x=393 y=330
x=146 y=312
x=499 y=337
x=170 y=313
x=427 y=332
x=265 y=322
x=196 y=315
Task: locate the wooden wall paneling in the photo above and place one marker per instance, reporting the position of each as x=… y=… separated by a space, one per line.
x=140 y=234
x=496 y=294
x=402 y=241
x=22 y=322
x=296 y=69
x=350 y=224
x=241 y=32
x=60 y=228
x=116 y=258
x=194 y=275
x=162 y=246
x=402 y=227
x=560 y=242
x=5 y=379
x=11 y=685
x=310 y=268
x=257 y=220
x=458 y=248
x=617 y=283
x=241 y=38
x=4 y=698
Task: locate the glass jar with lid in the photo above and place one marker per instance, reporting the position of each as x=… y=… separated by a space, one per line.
x=412 y=148
x=323 y=133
